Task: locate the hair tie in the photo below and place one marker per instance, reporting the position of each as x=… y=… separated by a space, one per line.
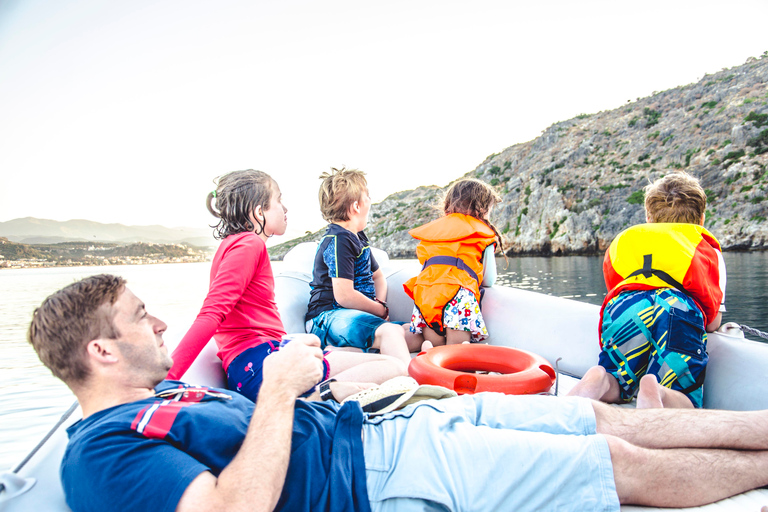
x=213 y=194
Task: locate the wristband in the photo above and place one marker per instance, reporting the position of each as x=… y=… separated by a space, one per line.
x=386 y=309
x=325 y=390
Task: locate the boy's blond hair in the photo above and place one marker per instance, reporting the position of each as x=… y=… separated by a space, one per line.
x=339 y=191
x=677 y=197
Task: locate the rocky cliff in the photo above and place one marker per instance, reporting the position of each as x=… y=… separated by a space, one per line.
x=572 y=189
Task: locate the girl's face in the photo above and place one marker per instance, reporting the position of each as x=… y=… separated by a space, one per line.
x=275 y=217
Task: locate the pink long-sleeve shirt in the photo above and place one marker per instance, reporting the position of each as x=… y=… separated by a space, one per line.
x=240 y=310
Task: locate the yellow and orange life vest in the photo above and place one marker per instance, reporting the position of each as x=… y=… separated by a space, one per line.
x=451 y=250
x=665 y=255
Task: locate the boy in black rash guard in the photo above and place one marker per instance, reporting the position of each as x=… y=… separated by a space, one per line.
x=347 y=305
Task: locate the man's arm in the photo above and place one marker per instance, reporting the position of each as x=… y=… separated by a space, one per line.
x=345 y=294
x=254 y=479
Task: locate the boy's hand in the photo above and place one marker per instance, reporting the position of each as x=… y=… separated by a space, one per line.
x=297 y=366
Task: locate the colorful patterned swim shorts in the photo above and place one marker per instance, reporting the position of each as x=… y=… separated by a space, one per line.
x=658 y=332
x=461 y=314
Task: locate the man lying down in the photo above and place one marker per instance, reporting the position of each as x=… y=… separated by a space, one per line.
x=149 y=444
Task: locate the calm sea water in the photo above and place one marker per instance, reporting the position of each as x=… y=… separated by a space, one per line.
x=31 y=399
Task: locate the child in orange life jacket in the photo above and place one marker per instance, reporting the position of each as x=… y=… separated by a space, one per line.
x=457 y=252
x=666 y=290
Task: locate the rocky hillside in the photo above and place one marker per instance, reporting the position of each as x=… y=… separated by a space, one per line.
x=572 y=189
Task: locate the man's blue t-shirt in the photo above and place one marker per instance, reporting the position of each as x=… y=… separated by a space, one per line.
x=143 y=455
x=341 y=254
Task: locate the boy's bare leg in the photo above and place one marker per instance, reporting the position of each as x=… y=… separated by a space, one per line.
x=684 y=428
x=683 y=477
x=598 y=384
x=653 y=395
x=390 y=340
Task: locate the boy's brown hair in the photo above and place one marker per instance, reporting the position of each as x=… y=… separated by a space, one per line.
x=339 y=191
x=677 y=197
x=69 y=319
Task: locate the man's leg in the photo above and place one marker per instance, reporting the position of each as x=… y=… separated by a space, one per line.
x=532 y=470
x=684 y=428
x=598 y=384
x=683 y=477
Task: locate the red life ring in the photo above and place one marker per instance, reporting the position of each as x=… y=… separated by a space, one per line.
x=524 y=372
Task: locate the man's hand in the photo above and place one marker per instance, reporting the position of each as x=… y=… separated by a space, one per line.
x=297 y=366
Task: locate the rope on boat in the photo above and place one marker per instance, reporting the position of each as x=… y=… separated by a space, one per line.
x=63 y=418
x=749 y=330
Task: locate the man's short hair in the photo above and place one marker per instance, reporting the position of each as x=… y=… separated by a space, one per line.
x=69 y=319
x=339 y=191
x=677 y=197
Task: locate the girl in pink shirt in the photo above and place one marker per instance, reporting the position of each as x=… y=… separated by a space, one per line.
x=240 y=312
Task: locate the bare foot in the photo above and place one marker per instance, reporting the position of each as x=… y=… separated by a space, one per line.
x=595 y=384
x=426 y=346
x=651 y=394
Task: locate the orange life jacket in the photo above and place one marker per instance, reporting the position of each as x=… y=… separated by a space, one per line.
x=455 y=245
x=661 y=255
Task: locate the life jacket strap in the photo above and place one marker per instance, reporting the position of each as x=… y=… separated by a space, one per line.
x=648 y=271
x=453 y=261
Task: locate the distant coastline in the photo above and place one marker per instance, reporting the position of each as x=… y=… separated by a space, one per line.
x=15 y=255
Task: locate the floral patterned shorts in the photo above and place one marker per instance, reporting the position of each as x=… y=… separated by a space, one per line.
x=461 y=314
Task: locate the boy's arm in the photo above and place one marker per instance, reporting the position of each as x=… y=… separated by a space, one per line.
x=255 y=477
x=715 y=324
x=345 y=294
x=380 y=284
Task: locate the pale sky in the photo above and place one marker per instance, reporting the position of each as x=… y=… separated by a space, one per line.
x=124 y=111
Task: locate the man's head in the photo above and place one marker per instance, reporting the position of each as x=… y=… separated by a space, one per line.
x=677 y=197
x=97 y=321
x=339 y=191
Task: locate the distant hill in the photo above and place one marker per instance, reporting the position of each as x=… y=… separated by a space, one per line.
x=575 y=187
x=30 y=230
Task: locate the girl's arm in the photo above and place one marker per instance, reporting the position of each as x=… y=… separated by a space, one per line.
x=489 y=266
x=235 y=272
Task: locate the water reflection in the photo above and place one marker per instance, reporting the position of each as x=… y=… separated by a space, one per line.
x=574 y=277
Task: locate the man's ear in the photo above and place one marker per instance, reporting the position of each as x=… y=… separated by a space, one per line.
x=101 y=351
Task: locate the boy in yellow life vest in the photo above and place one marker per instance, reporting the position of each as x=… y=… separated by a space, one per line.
x=666 y=290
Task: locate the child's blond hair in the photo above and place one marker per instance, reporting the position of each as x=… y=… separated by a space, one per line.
x=472 y=197
x=339 y=191
x=677 y=197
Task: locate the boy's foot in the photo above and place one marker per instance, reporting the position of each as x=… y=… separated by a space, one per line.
x=651 y=394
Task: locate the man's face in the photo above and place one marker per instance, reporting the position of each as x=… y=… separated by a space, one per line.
x=140 y=343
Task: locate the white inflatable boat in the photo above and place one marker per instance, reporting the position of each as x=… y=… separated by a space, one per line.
x=555 y=328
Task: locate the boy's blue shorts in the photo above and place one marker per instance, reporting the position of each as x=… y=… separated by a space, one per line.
x=346 y=328
x=244 y=373
x=659 y=332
